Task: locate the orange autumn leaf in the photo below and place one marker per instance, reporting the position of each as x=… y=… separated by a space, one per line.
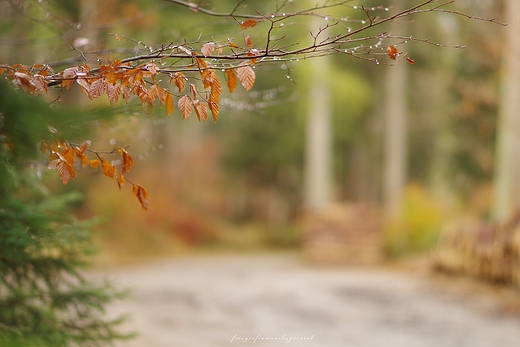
x=185 y=106
x=156 y=92
x=249 y=23
x=84 y=146
x=147 y=103
x=127 y=160
x=392 y=52
x=201 y=63
x=249 y=41
x=201 y=110
x=410 y=60
x=194 y=92
x=83 y=158
x=232 y=45
x=231 y=80
x=108 y=169
x=178 y=79
x=98 y=87
x=113 y=92
x=142 y=196
x=94 y=163
x=67 y=153
x=208 y=48
x=208 y=77
x=65 y=169
x=246 y=75
x=168 y=102
x=120 y=180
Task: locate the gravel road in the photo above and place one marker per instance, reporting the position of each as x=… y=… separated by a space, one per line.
x=277 y=300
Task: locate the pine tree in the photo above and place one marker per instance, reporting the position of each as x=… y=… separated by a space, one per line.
x=44 y=300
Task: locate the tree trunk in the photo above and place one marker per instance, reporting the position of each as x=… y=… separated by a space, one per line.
x=396 y=114
x=318 y=151
x=507 y=174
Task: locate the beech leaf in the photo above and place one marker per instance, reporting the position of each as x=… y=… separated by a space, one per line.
x=178 y=79
x=194 y=92
x=185 y=106
x=113 y=92
x=201 y=110
x=249 y=23
x=249 y=41
x=246 y=75
x=231 y=80
x=127 y=160
x=94 y=163
x=392 y=52
x=208 y=48
x=168 y=102
x=120 y=180
x=142 y=196
x=97 y=88
x=108 y=169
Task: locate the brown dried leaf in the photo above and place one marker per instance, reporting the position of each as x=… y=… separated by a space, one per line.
x=65 y=170
x=126 y=94
x=40 y=83
x=127 y=160
x=83 y=82
x=147 y=103
x=246 y=75
x=249 y=41
x=214 y=96
x=208 y=48
x=194 y=92
x=156 y=92
x=98 y=87
x=392 y=52
x=178 y=79
x=168 y=102
x=83 y=158
x=208 y=77
x=232 y=45
x=142 y=196
x=231 y=80
x=23 y=80
x=80 y=152
x=201 y=63
x=410 y=60
x=68 y=75
x=201 y=110
x=249 y=23
x=108 y=169
x=84 y=146
x=120 y=180
x=185 y=106
x=67 y=154
x=94 y=163
x=150 y=70
x=113 y=92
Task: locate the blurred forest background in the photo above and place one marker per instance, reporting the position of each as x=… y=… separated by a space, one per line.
x=240 y=184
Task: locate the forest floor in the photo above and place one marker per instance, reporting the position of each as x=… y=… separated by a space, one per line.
x=276 y=300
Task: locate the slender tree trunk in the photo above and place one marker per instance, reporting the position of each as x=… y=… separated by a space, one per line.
x=441 y=107
x=318 y=152
x=507 y=174
x=396 y=114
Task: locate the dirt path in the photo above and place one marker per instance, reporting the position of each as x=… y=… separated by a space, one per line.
x=276 y=300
